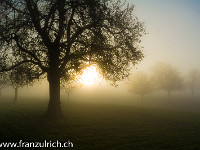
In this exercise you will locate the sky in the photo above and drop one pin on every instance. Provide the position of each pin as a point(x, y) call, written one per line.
point(173, 28)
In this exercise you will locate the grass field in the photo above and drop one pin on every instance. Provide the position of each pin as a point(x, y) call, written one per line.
point(102, 126)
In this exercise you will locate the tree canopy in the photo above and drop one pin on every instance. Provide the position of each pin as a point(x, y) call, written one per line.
point(166, 77)
point(140, 84)
point(4, 80)
point(76, 32)
point(20, 76)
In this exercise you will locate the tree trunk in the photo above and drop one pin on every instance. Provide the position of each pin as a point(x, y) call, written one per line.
point(54, 108)
point(16, 94)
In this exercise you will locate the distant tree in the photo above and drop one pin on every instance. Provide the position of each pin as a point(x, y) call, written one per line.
point(4, 81)
point(140, 84)
point(193, 80)
point(58, 37)
point(70, 83)
point(166, 77)
point(20, 78)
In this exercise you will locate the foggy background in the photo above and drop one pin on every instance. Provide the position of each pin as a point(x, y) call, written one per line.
point(173, 29)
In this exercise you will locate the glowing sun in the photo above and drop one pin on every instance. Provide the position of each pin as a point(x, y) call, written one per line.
point(90, 76)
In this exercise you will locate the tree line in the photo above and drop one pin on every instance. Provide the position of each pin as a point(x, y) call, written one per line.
point(164, 77)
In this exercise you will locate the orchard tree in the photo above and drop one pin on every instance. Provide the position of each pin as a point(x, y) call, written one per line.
point(69, 87)
point(193, 80)
point(4, 81)
point(140, 84)
point(19, 77)
point(59, 37)
point(166, 77)
point(71, 83)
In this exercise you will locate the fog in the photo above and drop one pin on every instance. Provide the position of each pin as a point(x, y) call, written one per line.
point(182, 100)
point(174, 32)
point(173, 37)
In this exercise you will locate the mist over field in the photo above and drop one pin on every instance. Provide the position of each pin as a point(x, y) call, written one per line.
point(181, 100)
point(172, 38)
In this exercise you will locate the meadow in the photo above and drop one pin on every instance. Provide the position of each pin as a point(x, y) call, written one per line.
point(95, 126)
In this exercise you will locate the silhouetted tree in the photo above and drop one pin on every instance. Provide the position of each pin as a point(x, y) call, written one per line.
point(19, 77)
point(58, 37)
point(140, 84)
point(4, 81)
point(193, 80)
point(70, 83)
point(69, 87)
point(166, 77)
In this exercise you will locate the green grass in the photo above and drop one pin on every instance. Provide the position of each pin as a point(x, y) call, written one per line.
point(102, 127)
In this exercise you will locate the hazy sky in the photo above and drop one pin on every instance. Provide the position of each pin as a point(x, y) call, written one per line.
point(174, 32)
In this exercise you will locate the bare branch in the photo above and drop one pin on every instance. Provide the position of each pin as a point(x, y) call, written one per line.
point(30, 54)
point(4, 69)
point(34, 14)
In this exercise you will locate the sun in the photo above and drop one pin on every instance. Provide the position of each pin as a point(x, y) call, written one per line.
point(90, 76)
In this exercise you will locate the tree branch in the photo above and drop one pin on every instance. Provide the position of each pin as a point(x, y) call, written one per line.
point(61, 5)
point(13, 7)
point(80, 31)
point(51, 12)
point(30, 54)
point(34, 14)
point(69, 26)
point(4, 69)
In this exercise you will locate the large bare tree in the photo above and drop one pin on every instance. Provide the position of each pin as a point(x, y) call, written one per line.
point(57, 38)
